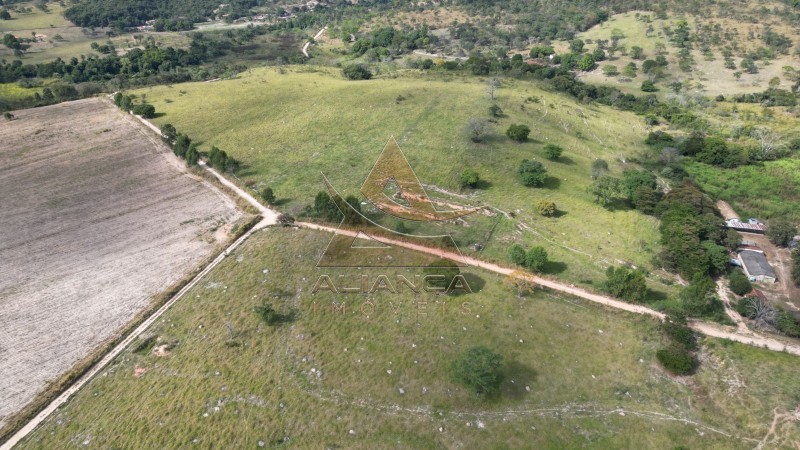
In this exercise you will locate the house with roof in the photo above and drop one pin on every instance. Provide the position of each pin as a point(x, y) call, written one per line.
point(756, 266)
point(751, 226)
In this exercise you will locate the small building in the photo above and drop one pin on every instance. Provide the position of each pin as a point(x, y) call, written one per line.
point(751, 226)
point(756, 267)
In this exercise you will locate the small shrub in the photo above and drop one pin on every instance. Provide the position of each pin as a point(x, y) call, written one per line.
point(676, 359)
point(480, 369)
point(679, 333)
point(546, 208)
point(285, 220)
point(536, 259)
point(553, 152)
point(469, 178)
point(518, 132)
point(517, 254)
point(739, 283)
point(146, 111)
point(268, 195)
point(357, 72)
point(532, 173)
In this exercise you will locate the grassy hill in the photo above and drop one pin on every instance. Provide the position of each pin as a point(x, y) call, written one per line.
point(708, 75)
point(575, 375)
point(289, 126)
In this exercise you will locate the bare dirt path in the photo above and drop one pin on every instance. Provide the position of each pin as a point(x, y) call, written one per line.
point(316, 36)
point(434, 55)
point(723, 293)
point(744, 336)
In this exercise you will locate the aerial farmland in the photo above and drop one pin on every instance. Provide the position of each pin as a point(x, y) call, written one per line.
point(100, 221)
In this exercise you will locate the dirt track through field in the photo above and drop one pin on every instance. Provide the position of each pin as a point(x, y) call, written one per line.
point(96, 220)
point(710, 329)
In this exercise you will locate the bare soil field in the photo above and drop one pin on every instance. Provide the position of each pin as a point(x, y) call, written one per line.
point(98, 217)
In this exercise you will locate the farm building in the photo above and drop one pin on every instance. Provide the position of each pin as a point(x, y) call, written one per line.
point(751, 226)
point(756, 267)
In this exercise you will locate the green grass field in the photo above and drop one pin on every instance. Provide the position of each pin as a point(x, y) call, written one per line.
point(35, 19)
point(13, 92)
point(288, 128)
point(765, 191)
point(575, 375)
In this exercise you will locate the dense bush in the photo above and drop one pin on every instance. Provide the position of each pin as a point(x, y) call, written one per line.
point(536, 259)
point(357, 72)
point(480, 369)
point(532, 173)
point(739, 283)
point(689, 219)
point(145, 110)
point(678, 332)
point(546, 207)
point(325, 207)
point(788, 324)
point(781, 231)
point(268, 195)
point(469, 178)
point(552, 151)
point(517, 254)
point(518, 132)
point(444, 271)
point(676, 359)
point(625, 283)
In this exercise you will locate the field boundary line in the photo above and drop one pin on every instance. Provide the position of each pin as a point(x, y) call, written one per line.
point(122, 345)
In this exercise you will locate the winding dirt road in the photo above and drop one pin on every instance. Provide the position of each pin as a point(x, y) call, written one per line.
point(316, 36)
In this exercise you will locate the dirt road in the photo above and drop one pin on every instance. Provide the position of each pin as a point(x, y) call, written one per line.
point(742, 335)
point(316, 36)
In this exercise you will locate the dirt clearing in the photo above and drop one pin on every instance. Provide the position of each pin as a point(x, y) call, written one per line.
point(96, 218)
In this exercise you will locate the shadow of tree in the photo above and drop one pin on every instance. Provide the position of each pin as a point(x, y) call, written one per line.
point(516, 376)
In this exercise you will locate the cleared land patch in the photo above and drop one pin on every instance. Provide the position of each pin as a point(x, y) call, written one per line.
point(97, 219)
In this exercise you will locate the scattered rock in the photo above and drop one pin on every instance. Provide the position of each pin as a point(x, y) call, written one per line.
point(402, 391)
point(528, 388)
point(352, 432)
point(261, 443)
point(481, 425)
point(389, 371)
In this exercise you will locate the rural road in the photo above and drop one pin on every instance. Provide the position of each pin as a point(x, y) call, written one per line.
point(745, 336)
point(434, 55)
point(270, 216)
point(316, 36)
